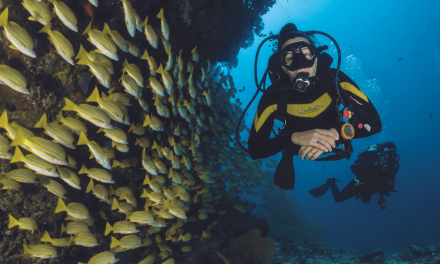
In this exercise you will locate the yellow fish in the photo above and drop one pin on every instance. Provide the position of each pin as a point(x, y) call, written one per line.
point(164, 25)
point(27, 223)
point(57, 132)
point(62, 45)
point(40, 251)
point(39, 11)
point(18, 36)
point(13, 79)
point(104, 44)
point(150, 34)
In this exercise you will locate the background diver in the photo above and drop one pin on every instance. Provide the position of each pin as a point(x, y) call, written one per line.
point(374, 170)
point(306, 94)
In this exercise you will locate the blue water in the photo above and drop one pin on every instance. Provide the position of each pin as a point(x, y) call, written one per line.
point(405, 92)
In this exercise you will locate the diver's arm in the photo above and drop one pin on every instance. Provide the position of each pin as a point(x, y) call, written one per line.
point(361, 100)
point(261, 146)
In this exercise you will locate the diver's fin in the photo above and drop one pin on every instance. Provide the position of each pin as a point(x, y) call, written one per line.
point(320, 191)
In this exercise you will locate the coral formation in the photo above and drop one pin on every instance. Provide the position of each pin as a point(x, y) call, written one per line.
point(252, 248)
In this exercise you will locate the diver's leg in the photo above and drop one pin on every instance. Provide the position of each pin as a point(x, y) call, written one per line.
point(349, 191)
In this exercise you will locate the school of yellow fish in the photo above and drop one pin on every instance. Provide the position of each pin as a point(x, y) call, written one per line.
point(186, 170)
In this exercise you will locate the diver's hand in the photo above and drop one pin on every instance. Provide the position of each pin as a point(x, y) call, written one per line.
point(310, 138)
point(309, 153)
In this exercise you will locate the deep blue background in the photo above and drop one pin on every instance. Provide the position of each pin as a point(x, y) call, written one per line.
point(405, 93)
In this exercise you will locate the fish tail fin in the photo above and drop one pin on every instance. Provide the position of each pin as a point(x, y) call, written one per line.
point(145, 56)
point(108, 228)
point(45, 29)
point(4, 17)
point(42, 123)
point(72, 239)
point(114, 243)
point(82, 139)
point(20, 138)
point(90, 187)
point(63, 228)
point(94, 97)
point(88, 29)
point(4, 123)
point(111, 191)
point(26, 250)
point(115, 204)
point(70, 106)
point(138, 141)
point(100, 130)
point(81, 53)
point(147, 120)
point(12, 221)
point(145, 23)
point(106, 29)
point(84, 61)
point(204, 93)
point(83, 169)
point(160, 69)
point(60, 116)
point(125, 64)
point(46, 238)
point(18, 156)
point(116, 163)
point(61, 206)
point(52, 1)
point(160, 15)
point(131, 127)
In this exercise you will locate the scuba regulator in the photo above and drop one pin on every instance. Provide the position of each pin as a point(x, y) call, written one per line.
point(294, 57)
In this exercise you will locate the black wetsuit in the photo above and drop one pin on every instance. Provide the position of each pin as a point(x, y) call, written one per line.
point(372, 179)
point(318, 108)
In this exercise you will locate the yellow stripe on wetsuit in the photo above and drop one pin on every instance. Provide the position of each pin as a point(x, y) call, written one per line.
point(300, 110)
point(354, 90)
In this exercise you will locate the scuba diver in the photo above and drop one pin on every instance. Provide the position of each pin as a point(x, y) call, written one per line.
point(374, 170)
point(306, 95)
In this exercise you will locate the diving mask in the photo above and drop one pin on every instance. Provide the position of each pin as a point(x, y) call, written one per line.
point(298, 55)
point(389, 157)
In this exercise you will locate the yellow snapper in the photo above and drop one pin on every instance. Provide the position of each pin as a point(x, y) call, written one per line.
point(62, 45)
point(109, 107)
point(116, 134)
point(138, 130)
point(89, 221)
point(4, 148)
point(99, 190)
point(148, 164)
point(116, 37)
point(97, 174)
point(57, 242)
point(102, 258)
point(128, 242)
point(164, 25)
point(97, 58)
point(40, 251)
point(84, 239)
point(148, 260)
point(76, 210)
point(69, 177)
point(39, 11)
point(154, 123)
point(75, 227)
point(18, 36)
point(166, 79)
point(121, 227)
point(13, 79)
point(21, 175)
point(195, 54)
point(35, 163)
point(124, 208)
point(91, 113)
point(98, 70)
point(150, 34)
point(104, 44)
point(110, 152)
point(133, 49)
point(118, 97)
point(170, 62)
point(65, 14)
point(180, 61)
point(134, 73)
point(57, 132)
point(76, 126)
point(44, 148)
point(27, 223)
point(143, 142)
point(131, 86)
point(130, 19)
point(141, 217)
point(151, 62)
point(122, 148)
point(53, 187)
point(157, 86)
point(96, 151)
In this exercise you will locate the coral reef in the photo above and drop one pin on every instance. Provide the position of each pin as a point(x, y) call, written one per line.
point(252, 248)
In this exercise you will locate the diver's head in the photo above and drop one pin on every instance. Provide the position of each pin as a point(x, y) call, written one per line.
point(297, 54)
point(389, 156)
